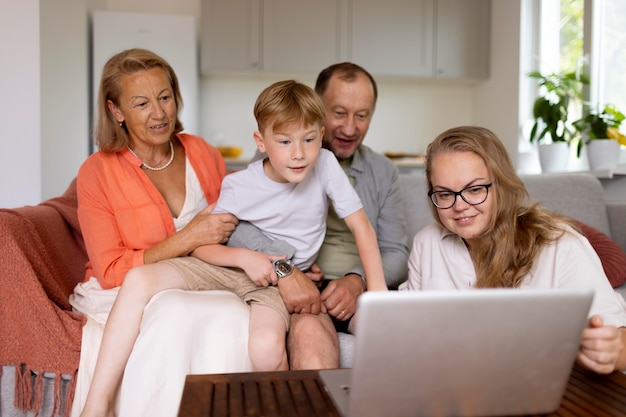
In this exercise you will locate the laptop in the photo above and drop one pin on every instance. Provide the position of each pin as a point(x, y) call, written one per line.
point(460, 353)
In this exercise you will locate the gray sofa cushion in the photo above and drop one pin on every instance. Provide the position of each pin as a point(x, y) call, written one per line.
point(579, 196)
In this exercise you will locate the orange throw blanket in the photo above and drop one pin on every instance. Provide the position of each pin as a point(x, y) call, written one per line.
point(42, 258)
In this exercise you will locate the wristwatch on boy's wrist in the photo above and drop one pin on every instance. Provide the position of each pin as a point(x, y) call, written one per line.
point(283, 267)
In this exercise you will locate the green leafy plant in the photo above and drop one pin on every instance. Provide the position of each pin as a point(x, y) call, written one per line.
point(600, 124)
point(551, 109)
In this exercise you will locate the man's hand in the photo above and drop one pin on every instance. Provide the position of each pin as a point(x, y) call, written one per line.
point(315, 274)
point(339, 297)
point(300, 294)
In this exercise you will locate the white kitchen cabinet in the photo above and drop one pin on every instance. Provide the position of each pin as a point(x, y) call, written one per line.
point(462, 38)
point(303, 35)
point(393, 37)
point(421, 38)
point(231, 39)
point(272, 35)
point(412, 38)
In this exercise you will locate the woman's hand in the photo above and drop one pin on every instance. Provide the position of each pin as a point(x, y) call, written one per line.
point(206, 228)
point(602, 347)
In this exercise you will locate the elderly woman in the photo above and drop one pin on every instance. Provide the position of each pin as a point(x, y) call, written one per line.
point(146, 196)
point(489, 234)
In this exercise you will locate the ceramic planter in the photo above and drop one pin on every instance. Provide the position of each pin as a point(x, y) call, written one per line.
point(554, 156)
point(603, 154)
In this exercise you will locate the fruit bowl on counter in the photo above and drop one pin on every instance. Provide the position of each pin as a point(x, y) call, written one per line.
point(394, 155)
point(231, 152)
point(407, 163)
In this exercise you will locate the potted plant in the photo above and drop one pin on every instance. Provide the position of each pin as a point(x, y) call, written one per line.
point(551, 114)
point(601, 135)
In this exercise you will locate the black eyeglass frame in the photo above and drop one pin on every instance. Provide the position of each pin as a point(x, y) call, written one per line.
point(460, 194)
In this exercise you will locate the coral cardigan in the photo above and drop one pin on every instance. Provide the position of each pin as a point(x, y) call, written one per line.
point(121, 212)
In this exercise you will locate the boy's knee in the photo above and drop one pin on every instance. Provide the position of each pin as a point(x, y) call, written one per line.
point(136, 277)
point(267, 351)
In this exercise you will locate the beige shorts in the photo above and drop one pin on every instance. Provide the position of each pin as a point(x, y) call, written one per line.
point(200, 276)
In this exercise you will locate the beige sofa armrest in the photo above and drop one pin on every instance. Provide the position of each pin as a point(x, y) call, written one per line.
point(617, 218)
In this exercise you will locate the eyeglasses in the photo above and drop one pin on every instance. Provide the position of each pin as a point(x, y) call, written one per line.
point(472, 195)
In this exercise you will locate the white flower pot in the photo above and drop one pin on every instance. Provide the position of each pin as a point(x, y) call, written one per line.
point(554, 156)
point(603, 154)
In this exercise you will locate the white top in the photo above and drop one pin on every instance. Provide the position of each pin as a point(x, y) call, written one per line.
point(440, 260)
point(295, 213)
point(194, 198)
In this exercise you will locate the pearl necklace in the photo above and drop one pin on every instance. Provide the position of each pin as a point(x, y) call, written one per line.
point(143, 164)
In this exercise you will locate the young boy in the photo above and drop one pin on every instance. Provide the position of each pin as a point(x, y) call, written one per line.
point(286, 195)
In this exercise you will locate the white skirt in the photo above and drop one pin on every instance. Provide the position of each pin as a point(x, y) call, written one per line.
point(181, 333)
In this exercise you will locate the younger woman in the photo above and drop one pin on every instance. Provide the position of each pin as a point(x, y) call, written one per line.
point(489, 234)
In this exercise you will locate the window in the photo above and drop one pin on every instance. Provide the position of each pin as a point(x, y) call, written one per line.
point(561, 35)
point(608, 55)
point(589, 36)
point(569, 36)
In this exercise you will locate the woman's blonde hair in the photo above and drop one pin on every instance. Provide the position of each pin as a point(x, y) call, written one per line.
point(108, 134)
point(518, 229)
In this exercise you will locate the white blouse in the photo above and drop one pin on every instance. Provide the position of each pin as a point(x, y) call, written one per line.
point(440, 260)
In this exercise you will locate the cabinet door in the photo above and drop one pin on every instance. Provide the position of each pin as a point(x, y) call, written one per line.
point(230, 35)
point(302, 35)
point(462, 38)
point(393, 37)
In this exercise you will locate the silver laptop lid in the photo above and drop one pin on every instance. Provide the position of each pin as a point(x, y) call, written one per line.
point(461, 353)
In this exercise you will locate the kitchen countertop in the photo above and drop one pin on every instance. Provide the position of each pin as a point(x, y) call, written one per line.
point(404, 164)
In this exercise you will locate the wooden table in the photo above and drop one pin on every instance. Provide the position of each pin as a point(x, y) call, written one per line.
point(300, 393)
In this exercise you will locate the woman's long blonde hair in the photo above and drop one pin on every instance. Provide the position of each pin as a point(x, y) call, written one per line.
point(504, 253)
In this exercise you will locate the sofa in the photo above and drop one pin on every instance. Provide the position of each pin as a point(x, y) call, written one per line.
point(43, 258)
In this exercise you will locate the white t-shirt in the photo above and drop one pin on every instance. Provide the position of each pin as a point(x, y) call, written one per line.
point(295, 213)
point(439, 260)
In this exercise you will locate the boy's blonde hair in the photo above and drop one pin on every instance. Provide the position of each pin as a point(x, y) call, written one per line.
point(288, 102)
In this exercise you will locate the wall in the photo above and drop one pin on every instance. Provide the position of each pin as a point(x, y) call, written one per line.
point(64, 93)
point(20, 158)
point(409, 114)
point(43, 81)
point(497, 100)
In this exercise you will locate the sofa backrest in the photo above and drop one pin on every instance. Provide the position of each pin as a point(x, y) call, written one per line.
point(577, 195)
point(416, 203)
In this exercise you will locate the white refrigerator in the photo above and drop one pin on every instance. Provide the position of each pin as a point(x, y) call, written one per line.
point(173, 37)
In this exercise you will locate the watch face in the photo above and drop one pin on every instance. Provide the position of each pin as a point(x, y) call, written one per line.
point(283, 267)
